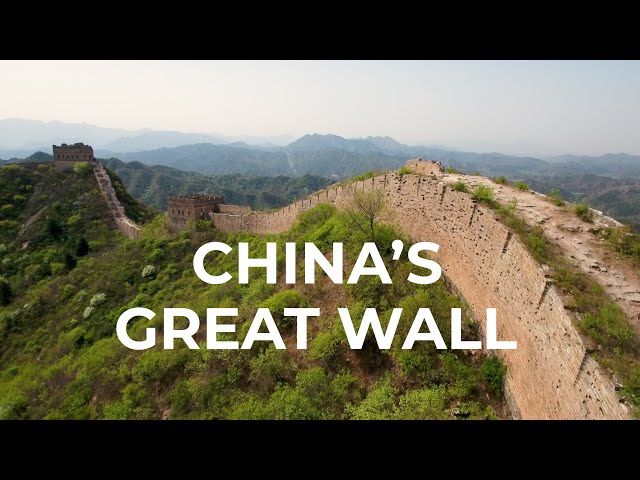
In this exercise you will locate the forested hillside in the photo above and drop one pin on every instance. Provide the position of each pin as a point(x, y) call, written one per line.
point(153, 184)
point(67, 275)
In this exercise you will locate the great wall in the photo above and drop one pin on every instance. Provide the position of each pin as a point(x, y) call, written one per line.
point(65, 157)
point(550, 375)
point(126, 226)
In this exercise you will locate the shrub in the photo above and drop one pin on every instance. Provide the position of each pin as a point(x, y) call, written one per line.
point(555, 198)
point(460, 186)
point(69, 261)
point(149, 272)
point(82, 168)
point(5, 292)
point(521, 186)
point(423, 404)
point(56, 268)
point(405, 171)
point(379, 404)
point(501, 180)
point(452, 169)
point(632, 386)
point(281, 300)
point(483, 193)
point(54, 229)
point(82, 247)
point(583, 211)
point(493, 371)
point(97, 299)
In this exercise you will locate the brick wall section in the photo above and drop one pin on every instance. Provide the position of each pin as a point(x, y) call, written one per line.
point(126, 226)
point(550, 376)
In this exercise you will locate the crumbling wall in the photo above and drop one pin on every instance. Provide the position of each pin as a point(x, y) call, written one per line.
point(550, 375)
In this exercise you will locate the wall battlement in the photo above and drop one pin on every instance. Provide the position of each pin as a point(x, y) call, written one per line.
point(550, 375)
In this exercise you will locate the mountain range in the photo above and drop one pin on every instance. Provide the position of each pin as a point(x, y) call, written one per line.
point(609, 182)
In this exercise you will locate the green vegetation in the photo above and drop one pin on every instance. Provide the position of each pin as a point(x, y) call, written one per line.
point(82, 168)
point(405, 171)
point(153, 184)
point(460, 186)
point(60, 358)
point(521, 186)
point(484, 194)
point(583, 211)
point(493, 371)
point(501, 180)
point(135, 210)
point(452, 169)
point(623, 240)
point(555, 197)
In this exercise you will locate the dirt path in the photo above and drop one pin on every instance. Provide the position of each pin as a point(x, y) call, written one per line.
point(572, 235)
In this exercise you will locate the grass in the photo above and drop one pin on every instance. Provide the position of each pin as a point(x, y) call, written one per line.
point(623, 240)
point(521, 186)
point(484, 194)
point(460, 186)
point(452, 169)
point(583, 211)
point(555, 198)
point(405, 171)
point(501, 180)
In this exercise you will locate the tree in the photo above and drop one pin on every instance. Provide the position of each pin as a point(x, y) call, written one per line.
point(366, 209)
point(54, 229)
point(82, 247)
point(82, 168)
point(5, 292)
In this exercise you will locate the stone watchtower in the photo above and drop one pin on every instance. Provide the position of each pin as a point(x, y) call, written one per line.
point(65, 156)
point(183, 208)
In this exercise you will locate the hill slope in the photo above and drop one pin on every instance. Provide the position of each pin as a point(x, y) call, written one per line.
point(153, 184)
point(60, 358)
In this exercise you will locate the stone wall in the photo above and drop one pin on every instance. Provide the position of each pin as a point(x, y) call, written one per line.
point(126, 226)
point(550, 375)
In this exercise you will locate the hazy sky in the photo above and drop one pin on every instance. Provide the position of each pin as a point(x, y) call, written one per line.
point(535, 107)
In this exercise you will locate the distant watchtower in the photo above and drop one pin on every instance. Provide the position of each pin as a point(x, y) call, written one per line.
point(183, 208)
point(65, 156)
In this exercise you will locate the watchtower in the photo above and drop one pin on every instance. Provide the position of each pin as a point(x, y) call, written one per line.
point(65, 156)
point(183, 208)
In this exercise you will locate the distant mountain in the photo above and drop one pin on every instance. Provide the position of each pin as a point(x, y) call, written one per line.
point(211, 159)
point(319, 142)
point(159, 139)
point(31, 135)
point(153, 184)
